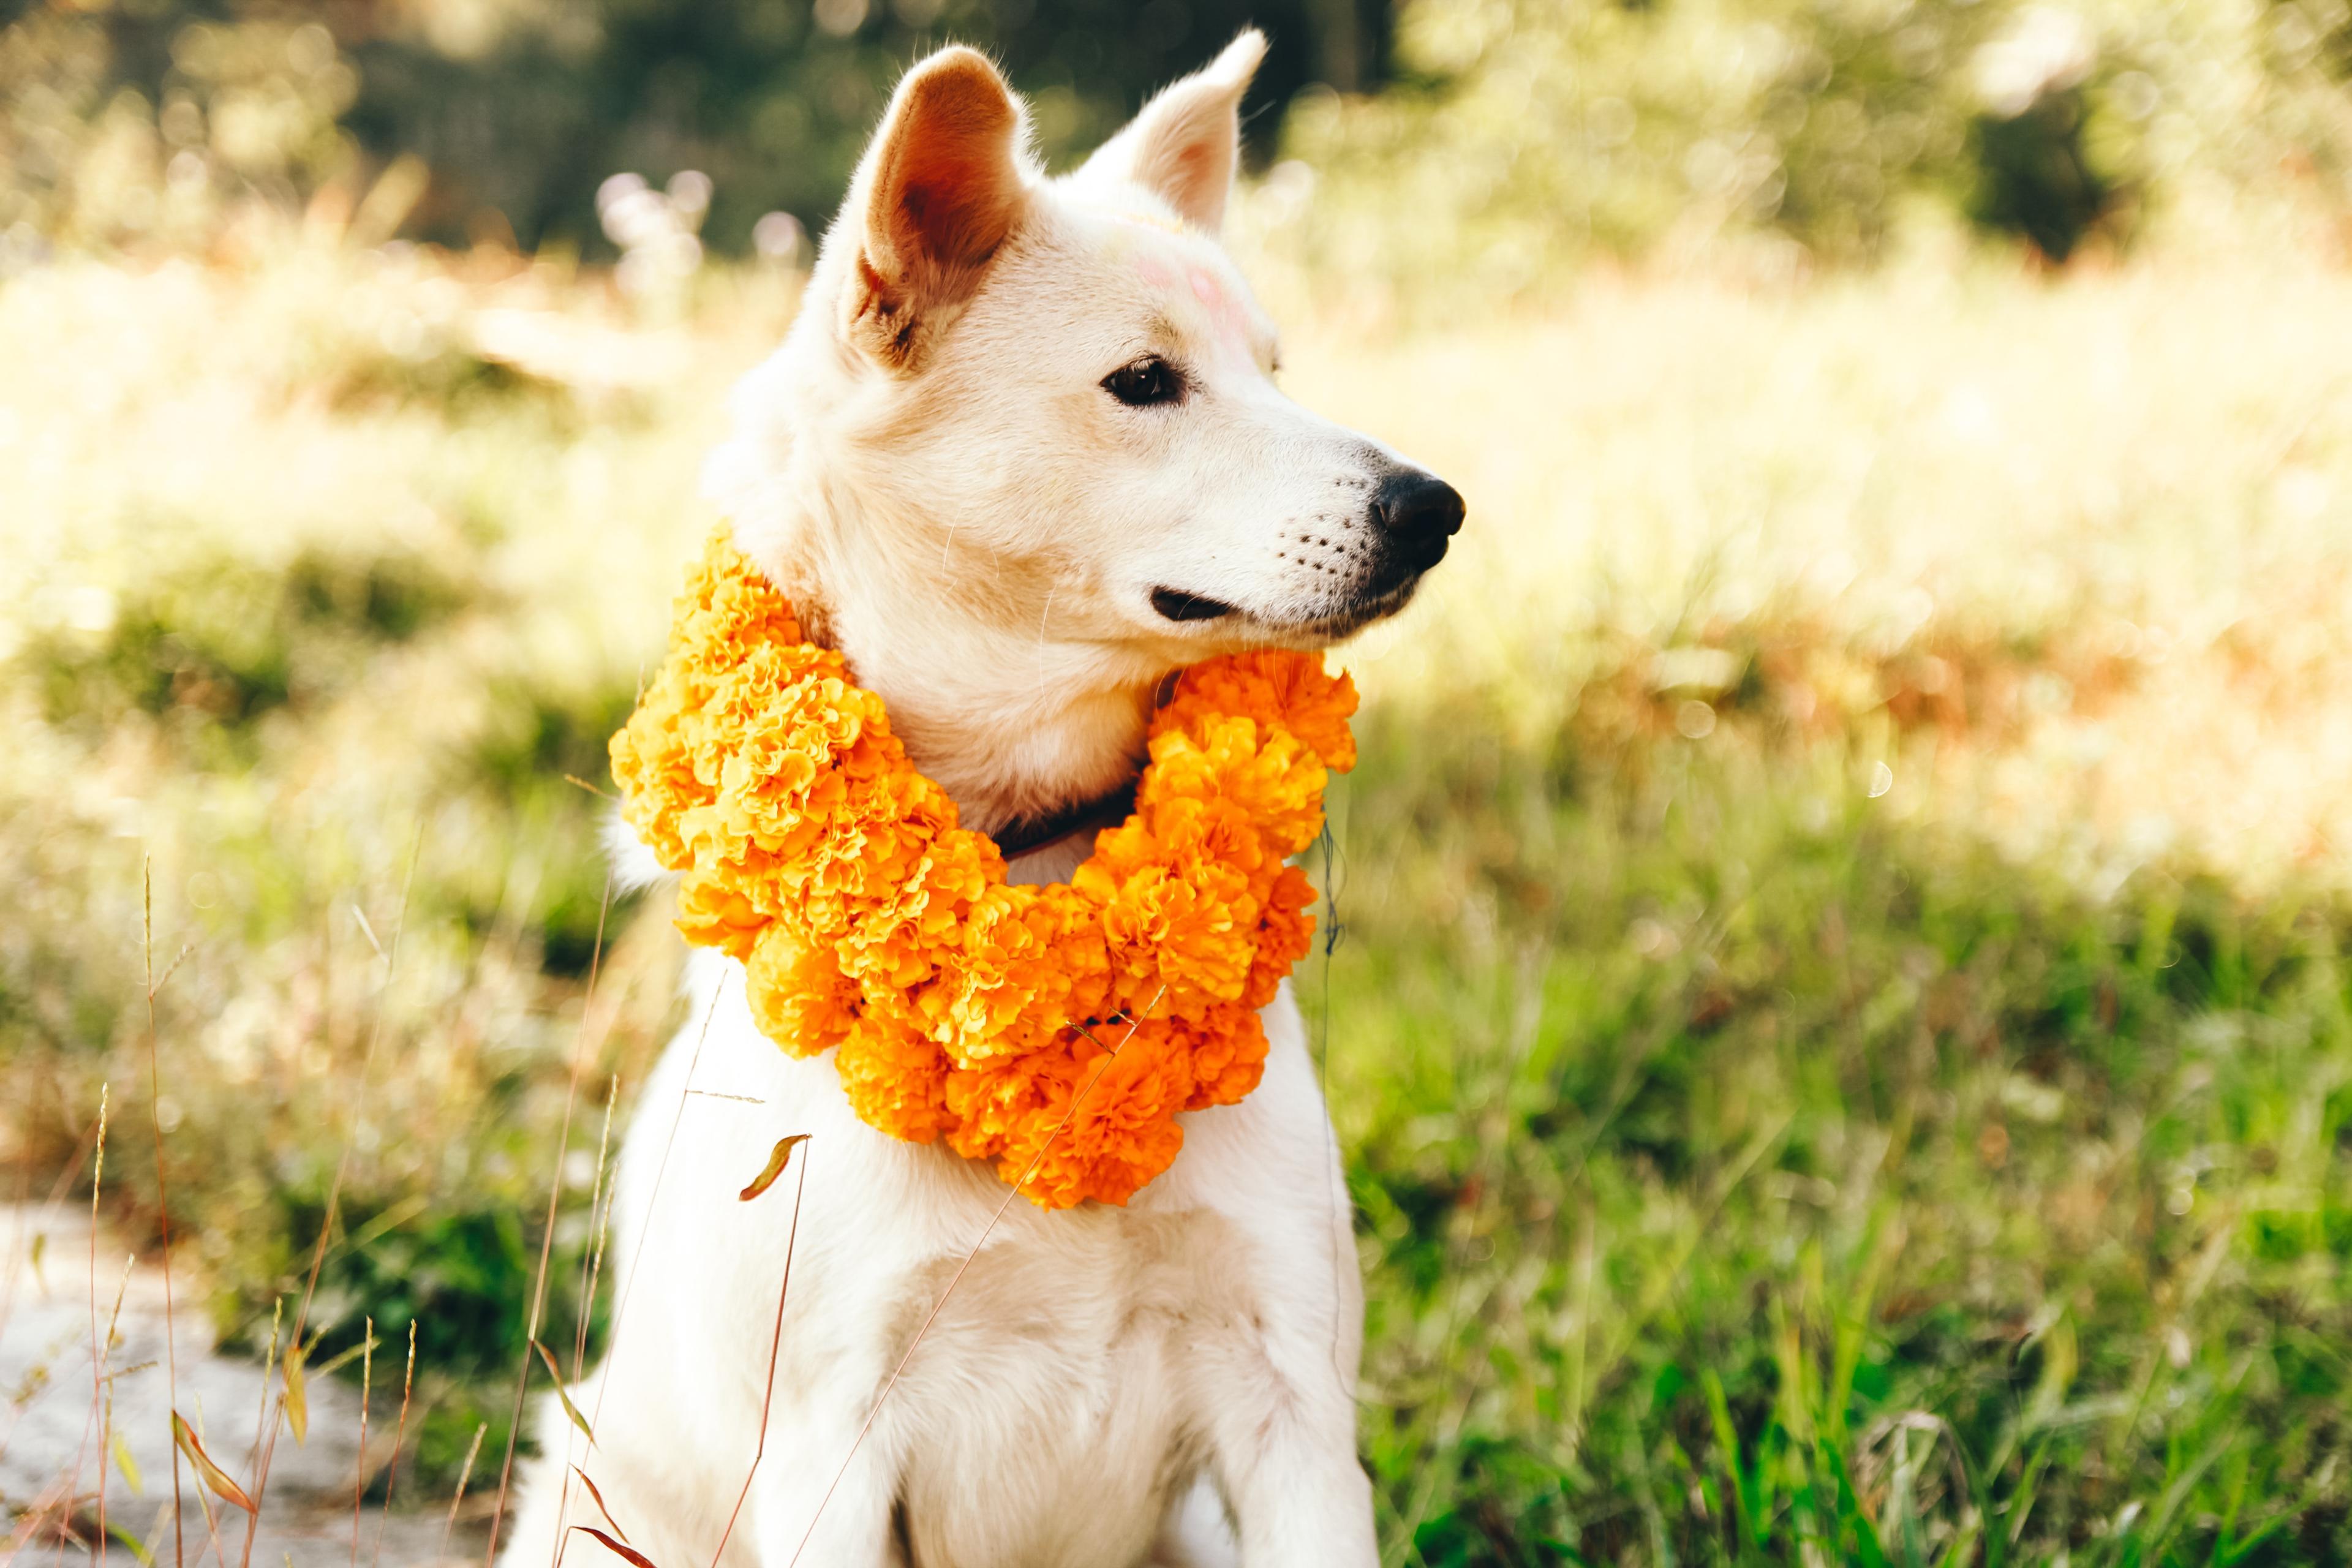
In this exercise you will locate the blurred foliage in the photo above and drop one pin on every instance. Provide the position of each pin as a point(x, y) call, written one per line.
point(1520, 135)
point(1526, 134)
point(128, 125)
point(132, 120)
point(214, 648)
point(525, 109)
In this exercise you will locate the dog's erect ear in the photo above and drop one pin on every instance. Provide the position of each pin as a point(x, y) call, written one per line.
point(1183, 146)
point(938, 189)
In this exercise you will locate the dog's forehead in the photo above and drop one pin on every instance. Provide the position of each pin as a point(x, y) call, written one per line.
point(1187, 277)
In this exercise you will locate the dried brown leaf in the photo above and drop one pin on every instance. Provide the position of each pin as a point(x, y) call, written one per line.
point(601, 1507)
point(569, 1408)
point(777, 1161)
point(618, 1549)
point(214, 1476)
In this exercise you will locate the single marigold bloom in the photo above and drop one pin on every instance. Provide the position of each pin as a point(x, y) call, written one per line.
point(1056, 1031)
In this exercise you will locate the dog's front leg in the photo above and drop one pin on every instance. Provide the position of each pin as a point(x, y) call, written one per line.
point(1282, 1425)
point(1298, 1494)
point(1280, 1412)
point(853, 1527)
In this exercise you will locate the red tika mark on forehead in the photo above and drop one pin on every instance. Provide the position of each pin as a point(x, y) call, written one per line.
point(1232, 321)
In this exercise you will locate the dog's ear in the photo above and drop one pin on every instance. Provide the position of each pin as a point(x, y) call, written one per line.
point(938, 191)
point(1183, 146)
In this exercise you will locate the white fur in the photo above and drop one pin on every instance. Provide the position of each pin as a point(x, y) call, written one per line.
point(978, 526)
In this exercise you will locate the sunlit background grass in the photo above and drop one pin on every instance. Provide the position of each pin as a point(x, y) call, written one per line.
point(1839, 1023)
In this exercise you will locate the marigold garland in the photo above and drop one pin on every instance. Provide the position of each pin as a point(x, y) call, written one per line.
point(957, 1005)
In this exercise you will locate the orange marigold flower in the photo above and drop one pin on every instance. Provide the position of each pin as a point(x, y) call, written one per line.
point(896, 1081)
point(1057, 1031)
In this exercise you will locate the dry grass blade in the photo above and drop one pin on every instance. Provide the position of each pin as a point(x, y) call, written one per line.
point(465, 1474)
point(359, 1466)
point(343, 1164)
point(136, 1548)
point(162, 1191)
point(218, 1479)
point(619, 1549)
point(592, 1263)
point(262, 1425)
point(661, 1170)
point(109, 1435)
point(601, 1506)
point(600, 1216)
point(367, 1346)
point(547, 1236)
point(777, 1160)
point(103, 1407)
point(775, 1349)
point(399, 1435)
point(570, 1409)
point(128, 1465)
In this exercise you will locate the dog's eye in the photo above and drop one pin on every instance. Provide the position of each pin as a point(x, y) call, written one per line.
point(1147, 380)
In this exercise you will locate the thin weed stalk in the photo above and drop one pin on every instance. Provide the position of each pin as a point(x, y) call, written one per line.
point(603, 1224)
point(97, 1351)
point(399, 1435)
point(204, 1503)
point(359, 1466)
point(106, 1436)
point(775, 1352)
point(163, 1189)
point(268, 1368)
point(465, 1474)
point(661, 1168)
point(547, 1235)
point(335, 1191)
point(600, 1213)
point(72, 1480)
point(599, 1202)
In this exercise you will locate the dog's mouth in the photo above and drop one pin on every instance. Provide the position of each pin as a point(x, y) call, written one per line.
point(1318, 627)
point(1175, 605)
point(1334, 625)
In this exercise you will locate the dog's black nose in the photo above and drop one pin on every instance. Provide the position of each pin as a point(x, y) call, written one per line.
point(1418, 512)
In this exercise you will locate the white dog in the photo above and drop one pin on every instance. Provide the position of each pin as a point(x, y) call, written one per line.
point(1020, 456)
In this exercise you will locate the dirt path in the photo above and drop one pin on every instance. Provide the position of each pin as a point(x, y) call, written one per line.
point(49, 1430)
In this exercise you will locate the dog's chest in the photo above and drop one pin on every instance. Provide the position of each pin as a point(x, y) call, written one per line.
point(1055, 1406)
point(1063, 1394)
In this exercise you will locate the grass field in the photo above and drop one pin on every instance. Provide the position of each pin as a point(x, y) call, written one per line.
point(1840, 1025)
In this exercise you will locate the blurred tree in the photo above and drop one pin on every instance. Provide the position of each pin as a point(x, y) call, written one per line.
point(2034, 177)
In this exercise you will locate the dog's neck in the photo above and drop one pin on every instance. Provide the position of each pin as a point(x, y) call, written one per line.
point(1015, 734)
point(1022, 731)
